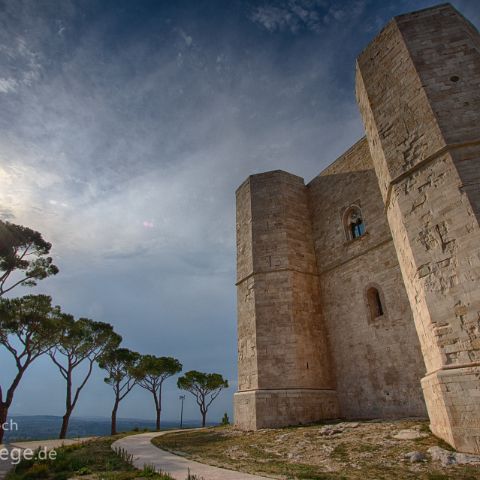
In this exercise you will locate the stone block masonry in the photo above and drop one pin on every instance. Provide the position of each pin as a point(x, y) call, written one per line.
point(418, 91)
point(284, 365)
point(359, 293)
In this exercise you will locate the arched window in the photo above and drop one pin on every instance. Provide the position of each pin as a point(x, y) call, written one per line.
point(374, 303)
point(353, 223)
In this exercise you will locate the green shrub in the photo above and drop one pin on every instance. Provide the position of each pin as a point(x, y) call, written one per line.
point(83, 471)
point(148, 471)
point(23, 466)
point(37, 470)
point(124, 455)
point(225, 419)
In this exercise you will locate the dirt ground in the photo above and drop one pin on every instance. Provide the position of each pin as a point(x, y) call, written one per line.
point(343, 450)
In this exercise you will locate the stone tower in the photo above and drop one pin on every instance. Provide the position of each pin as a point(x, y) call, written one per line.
point(285, 374)
point(418, 87)
point(340, 322)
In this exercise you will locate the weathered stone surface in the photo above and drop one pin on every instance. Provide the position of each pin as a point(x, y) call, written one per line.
point(285, 371)
point(446, 457)
point(384, 322)
point(417, 87)
point(409, 435)
point(272, 408)
point(378, 362)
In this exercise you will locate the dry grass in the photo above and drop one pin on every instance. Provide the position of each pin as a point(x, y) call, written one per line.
point(93, 460)
point(363, 451)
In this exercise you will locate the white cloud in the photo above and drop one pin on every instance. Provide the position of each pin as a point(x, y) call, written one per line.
point(187, 38)
point(8, 85)
point(296, 15)
point(274, 18)
point(27, 67)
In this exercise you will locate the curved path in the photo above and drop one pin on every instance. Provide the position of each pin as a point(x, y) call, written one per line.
point(145, 453)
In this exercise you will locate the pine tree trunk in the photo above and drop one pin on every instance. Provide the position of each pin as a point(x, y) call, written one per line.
point(7, 402)
point(3, 418)
point(158, 408)
point(114, 418)
point(158, 419)
point(64, 429)
point(204, 418)
point(68, 405)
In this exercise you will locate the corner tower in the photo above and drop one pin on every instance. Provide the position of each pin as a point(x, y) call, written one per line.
point(418, 88)
point(285, 375)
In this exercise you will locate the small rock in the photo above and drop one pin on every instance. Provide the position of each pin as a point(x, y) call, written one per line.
point(409, 435)
point(415, 456)
point(443, 456)
point(453, 458)
point(345, 425)
point(330, 431)
point(467, 459)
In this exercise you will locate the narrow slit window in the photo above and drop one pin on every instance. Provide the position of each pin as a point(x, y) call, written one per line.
point(375, 303)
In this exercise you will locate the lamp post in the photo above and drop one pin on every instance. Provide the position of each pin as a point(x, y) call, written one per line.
point(182, 398)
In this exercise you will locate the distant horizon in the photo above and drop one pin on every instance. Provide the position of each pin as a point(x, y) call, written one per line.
point(44, 427)
point(106, 417)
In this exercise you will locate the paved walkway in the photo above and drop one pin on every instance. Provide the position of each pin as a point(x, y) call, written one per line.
point(145, 453)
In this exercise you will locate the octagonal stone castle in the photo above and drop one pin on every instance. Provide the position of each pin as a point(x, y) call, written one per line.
point(359, 293)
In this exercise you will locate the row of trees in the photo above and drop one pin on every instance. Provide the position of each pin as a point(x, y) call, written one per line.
point(31, 326)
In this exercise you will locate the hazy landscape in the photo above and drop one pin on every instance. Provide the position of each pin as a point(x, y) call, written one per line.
point(40, 427)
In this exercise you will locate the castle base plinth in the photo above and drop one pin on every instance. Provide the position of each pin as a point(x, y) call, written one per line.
point(279, 408)
point(453, 403)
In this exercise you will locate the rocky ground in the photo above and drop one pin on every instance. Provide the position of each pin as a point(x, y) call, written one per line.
point(345, 450)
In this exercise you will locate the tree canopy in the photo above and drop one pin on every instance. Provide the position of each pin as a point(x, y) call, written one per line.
point(79, 341)
point(205, 387)
point(152, 372)
point(121, 364)
point(23, 251)
point(28, 329)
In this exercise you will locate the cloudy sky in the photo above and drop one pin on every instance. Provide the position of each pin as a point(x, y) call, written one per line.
point(125, 128)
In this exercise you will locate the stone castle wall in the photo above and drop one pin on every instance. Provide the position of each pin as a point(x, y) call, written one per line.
point(310, 347)
point(378, 361)
point(420, 105)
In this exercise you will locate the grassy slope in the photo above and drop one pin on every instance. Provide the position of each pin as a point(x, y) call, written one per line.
point(362, 452)
point(92, 460)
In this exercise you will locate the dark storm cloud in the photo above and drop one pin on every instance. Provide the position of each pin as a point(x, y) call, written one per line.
point(126, 128)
